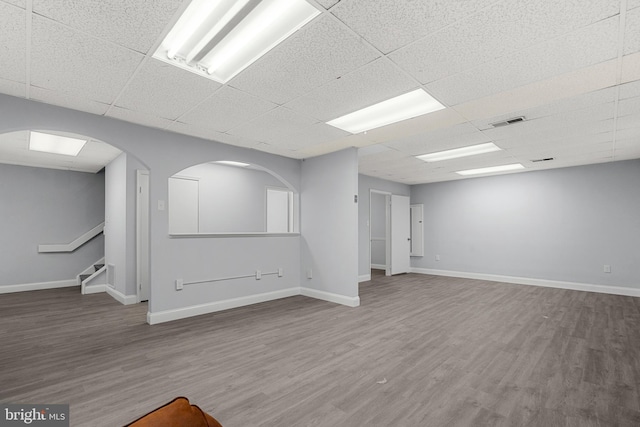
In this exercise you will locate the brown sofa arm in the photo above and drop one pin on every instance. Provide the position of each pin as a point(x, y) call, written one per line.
point(177, 413)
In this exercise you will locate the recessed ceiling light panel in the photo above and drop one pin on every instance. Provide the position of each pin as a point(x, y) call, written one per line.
point(403, 107)
point(460, 152)
point(218, 39)
point(55, 144)
point(492, 169)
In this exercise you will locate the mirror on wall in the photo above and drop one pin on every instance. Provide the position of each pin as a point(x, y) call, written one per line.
point(228, 198)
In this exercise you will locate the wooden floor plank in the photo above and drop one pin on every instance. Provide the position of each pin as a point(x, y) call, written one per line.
point(419, 351)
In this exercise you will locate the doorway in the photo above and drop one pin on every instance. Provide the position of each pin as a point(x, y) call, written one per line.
point(142, 236)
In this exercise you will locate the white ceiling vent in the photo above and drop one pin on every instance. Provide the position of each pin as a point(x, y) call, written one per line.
point(508, 122)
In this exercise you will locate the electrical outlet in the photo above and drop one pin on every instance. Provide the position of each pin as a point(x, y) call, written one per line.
point(437, 257)
point(179, 284)
point(309, 274)
point(607, 268)
point(258, 275)
point(280, 272)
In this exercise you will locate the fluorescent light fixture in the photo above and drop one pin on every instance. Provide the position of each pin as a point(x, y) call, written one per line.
point(218, 39)
point(232, 163)
point(403, 107)
point(55, 144)
point(492, 169)
point(471, 150)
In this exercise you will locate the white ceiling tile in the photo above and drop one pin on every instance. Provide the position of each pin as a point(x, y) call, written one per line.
point(631, 121)
point(138, 117)
point(162, 90)
point(501, 29)
point(632, 32)
point(543, 61)
point(210, 134)
point(372, 83)
point(565, 105)
point(390, 24)
point(280, 151)
point(226, 109)
point(19, 3)
point(321, 51)
point(444, 139)
point(311, 135)
point(327, 3)
point(632, 4)
point(67, 100)
point(67, 61)
point(630, 90)
point(133, 24)
point(13, 34)
point(372, 149)
point(273, 125)
point(12, 88)
point(629, 106)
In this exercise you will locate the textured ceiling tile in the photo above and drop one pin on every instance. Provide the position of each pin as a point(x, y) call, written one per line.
point(19, 3)
point(496, 31)
point(13, 36)
point(133, 24)
point(312, 135)
point(390, 24)
point(632, 32)
point(375, 82)
point(210, 134)
point(569, 104)
point(12, 88)
point(321, 51)
point(138, 117)
point(327, 3)
point(162, 90)
point(632, 4)
point(540, 62)
point(226, 109)
point(630, 90)
point(66, 100)
point(631, 121)
point(67, 61)
point(629, 106)
point(437, 141)
point(273, 125)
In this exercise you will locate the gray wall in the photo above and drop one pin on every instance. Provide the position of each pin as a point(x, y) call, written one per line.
point(120, 221)
point(559, 224)
point(329, 223)
point(365, 184)
point(164, 154)
point(42, 206)
point(231, 198)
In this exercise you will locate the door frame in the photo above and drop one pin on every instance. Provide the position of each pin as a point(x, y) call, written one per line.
point(387, 226)
point(142, 222)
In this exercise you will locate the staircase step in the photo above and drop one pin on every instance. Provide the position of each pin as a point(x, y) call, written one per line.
point(98, 266)
point(83, 277)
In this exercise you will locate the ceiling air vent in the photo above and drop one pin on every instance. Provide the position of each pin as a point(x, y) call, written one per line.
point(508, 122)
point(547, 159)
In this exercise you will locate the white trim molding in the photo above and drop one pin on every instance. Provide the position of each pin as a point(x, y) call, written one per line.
point(331, 297)
point(378, 267)
point(212, 307)
point(72, 246)
point(7, 289)
point(603, 289)
point(120, 297)
point(93, 289)
point(364, 278)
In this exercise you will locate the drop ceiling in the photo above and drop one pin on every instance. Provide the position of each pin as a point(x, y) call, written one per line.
point(572, 68)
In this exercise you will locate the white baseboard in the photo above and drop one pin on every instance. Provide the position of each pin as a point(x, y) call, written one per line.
point(94, 289)
point(378, 266)
point(603, 289)
point(331, 297)
point(7, 289)
point(364, 278)
point(120, 297)
point(196, 310)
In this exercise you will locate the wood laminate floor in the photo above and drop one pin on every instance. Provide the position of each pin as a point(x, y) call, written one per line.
point(419, 351)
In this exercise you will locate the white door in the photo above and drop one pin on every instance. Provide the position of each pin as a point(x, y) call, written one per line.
point(142, 236)
point(400, 234)
point(183, 205)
